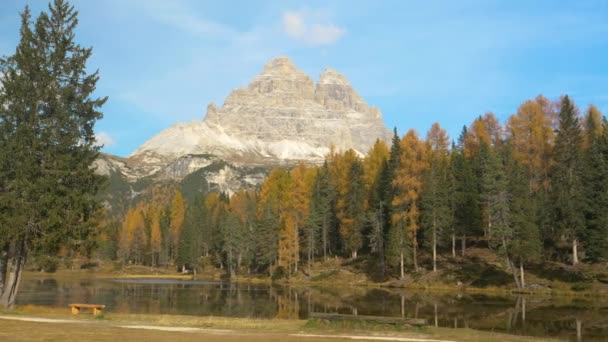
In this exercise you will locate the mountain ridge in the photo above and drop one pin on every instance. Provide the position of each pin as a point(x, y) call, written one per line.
point(280, 118)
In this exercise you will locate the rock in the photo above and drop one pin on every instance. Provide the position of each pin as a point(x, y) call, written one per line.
point(280, 118)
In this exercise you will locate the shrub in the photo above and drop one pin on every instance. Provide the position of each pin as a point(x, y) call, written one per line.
point(47, 264)
point(279, 273)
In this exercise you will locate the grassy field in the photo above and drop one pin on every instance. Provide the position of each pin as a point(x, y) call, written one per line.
point(85, 327)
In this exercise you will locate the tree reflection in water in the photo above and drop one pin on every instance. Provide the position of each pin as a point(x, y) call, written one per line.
point(538, 316)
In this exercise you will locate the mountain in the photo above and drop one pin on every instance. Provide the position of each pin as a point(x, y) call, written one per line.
point(280, 118)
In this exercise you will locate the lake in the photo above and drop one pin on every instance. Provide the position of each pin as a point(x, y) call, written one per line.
point(520, 315)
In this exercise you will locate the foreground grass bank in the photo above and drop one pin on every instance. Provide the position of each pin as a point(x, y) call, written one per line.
point(112, 325)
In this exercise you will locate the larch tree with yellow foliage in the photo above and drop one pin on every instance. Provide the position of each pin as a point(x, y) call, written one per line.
point(531, 136)
point(347, 174)
point(271, 213)
point(375, 175)
point(178, 212)
point(133, 238)
point(302, 179)
point(408, 183)
point(154, 214)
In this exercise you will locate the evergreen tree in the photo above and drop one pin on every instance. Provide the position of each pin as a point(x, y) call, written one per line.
point(191, 239)
point(322, 220)
point(466, 194)
point(495, 197)
point(502, 203)
point(355, 198)
point(378, 217)
point(525, 245)
point(435, 204)
point(47, 116)
point(567, 185)
point(596, 189)
point(231, 229)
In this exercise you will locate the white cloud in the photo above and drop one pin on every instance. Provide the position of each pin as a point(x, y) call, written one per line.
point(104, 139)
point(307, 27)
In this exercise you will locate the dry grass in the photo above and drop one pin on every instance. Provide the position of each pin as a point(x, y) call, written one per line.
point(248, 328)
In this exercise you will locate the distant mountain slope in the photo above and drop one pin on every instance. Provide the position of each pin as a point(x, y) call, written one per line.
point(280, 118)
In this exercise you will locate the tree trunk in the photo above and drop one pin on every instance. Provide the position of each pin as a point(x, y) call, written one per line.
point(434, 249)
point(523, 310)
point(3, 266)
point(521, 274)
point(464, 244)
point(575, 251)
point(324, 238)
point(453, 245)
point(13, 279)
point(514, 271)
point(401, 265)
point(311, 247)
point(414, 250)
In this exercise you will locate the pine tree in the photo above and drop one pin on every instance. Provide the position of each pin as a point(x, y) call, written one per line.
point(47, 116)
point(191, 239)
point(525, 242)
point(595, 177)
point(435, 204)
point(467, 216)
point(231, 229)
point(375, 167)
point(498, 197)
point(321, 217)
point(567, 185)
point(495, 196)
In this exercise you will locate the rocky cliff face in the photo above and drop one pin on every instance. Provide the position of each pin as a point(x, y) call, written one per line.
point(281, 117)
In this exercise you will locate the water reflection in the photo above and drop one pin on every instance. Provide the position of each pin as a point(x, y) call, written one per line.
point(573, 319)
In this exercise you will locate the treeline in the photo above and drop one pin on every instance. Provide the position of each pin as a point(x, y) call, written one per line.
point(533, 189)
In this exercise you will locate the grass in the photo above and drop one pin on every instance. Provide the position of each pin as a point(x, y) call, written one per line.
point(106, 328)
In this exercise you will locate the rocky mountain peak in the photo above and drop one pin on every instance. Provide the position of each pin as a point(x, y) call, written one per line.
point(280, 117)
point(280, 65)
point(279, 83)
point(335, 92)
point(331, 76)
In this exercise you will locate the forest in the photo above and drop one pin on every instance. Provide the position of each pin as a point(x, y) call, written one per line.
point(531, 190)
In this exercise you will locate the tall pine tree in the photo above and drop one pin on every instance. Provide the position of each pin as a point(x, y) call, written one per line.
point(595, 178)
point(566, 181)
point(47, 116)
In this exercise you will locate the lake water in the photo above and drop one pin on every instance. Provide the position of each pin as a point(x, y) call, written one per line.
point(535, 316)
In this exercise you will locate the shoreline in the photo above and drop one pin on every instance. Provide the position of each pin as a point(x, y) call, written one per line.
point(388, 286)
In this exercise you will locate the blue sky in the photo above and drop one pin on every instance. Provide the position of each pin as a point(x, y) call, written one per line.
point(162, 62)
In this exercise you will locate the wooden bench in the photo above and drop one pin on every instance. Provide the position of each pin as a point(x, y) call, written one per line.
point(96, 308)
point(377, 319)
